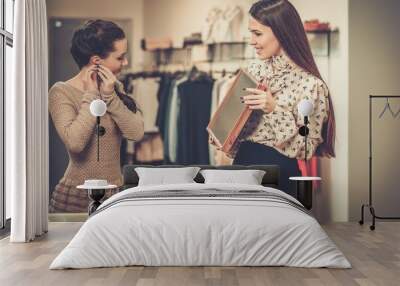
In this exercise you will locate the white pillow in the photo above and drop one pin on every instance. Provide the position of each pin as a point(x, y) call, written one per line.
point(249, 177)
point(163, 176)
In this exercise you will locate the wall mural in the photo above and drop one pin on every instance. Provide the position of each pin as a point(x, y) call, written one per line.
point(104, 116)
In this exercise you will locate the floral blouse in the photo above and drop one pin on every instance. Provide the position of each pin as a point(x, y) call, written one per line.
point(289, 84)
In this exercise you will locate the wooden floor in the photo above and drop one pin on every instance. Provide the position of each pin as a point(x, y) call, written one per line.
point(375, 257)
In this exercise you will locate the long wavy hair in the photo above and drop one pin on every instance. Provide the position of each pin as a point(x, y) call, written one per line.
point(286, 24)
point(97, 37)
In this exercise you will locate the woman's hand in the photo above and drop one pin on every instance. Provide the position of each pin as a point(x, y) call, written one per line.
point(108, 80)
point(89, 79)
point(259, 99)
point(211, 141)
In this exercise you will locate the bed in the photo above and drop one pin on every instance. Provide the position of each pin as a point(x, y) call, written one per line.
point(198, 224)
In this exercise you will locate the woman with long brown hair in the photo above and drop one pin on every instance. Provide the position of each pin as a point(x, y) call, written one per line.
point(288, 70)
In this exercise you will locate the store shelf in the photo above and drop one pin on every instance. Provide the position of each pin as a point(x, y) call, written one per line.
point(328, 35)
point(165, 55)
point(322, 31)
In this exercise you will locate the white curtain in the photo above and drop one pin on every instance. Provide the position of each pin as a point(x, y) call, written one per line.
point(27, 123)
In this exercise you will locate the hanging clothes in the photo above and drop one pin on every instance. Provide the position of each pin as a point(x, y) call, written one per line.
point(223, 25)
point(172, 120)
point(149, 149)
point(163, 97)
point(145, 92)
point(144, 88)
point(177, 108)
point(227, 26)
point(194, 115)
point(210, 25)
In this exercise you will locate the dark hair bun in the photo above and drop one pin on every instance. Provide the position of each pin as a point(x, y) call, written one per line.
point(95, 37)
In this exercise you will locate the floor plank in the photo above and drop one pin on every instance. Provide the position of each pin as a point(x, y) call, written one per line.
point(375, 257)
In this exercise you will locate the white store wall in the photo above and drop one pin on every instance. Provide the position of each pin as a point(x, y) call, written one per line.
point(121, 9)
point(180, 18)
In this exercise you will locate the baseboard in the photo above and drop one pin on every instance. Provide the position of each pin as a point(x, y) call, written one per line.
point(68, 217)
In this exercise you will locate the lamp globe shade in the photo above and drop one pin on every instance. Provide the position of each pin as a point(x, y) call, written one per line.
point(305, 107)
point(98, 107)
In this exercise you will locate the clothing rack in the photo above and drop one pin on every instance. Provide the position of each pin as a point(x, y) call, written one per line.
point(370, 205)
point(225, 72)
point(143, 74)
point(192, 77)
point(126, 78)
point(157, 73)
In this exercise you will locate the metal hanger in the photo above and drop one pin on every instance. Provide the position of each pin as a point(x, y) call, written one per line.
point(397, 113)
point(387, 106)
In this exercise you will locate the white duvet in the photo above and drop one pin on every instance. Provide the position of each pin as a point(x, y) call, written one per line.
point(200, 231)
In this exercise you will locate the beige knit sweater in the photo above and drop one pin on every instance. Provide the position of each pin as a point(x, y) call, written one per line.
point(69, 110)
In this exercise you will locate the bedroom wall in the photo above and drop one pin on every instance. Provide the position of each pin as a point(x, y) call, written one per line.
point(374, 56)
point(332, 200)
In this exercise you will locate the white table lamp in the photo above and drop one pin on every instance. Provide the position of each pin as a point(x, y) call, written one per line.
point(304, 184)
point(98, 108)
point(305, 108)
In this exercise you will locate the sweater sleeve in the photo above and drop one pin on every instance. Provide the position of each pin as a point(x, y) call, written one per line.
point(75, 127)
point(130, 123)
point(285, 122)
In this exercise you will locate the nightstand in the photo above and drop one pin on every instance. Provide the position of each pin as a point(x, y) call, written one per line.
point(304, 189)
point(96, 194)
